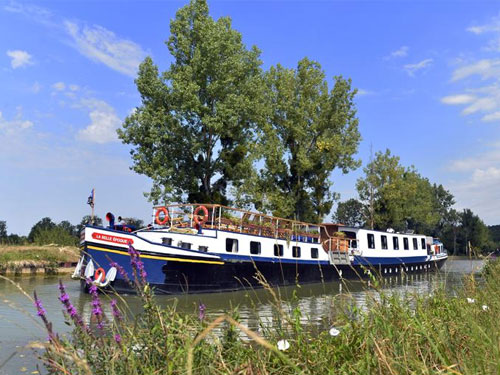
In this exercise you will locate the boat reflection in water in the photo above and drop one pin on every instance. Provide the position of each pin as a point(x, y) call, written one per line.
point(318, 303)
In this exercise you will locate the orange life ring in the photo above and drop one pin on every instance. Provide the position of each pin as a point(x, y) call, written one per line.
point(99, 275)
point(157, 216)
point(197, 220)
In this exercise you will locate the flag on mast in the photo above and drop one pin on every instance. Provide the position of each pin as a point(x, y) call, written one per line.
point(90, 200)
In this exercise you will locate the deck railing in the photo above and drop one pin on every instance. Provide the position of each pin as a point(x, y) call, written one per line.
point(340, 244)
point(237, 220)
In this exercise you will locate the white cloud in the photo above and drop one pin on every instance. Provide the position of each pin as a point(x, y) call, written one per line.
point(485, 160)
point(102, 45)
point(493, 27)
point(458, 99)
point(480, 105)
point(363, 92)
point(486, 69)
point(33, 12)
point(94, 42)
point(491, 117)
point(103, 122)
point(35, 88)
point(482, 99)
point(477, 188)
point(411, 69)
point(16, 124)
point(480, 193)
point(19, 58)
point(59, 86)
point(401, 52)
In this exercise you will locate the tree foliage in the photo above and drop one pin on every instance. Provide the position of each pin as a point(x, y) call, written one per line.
point(87, 219)
point(351, 213)
point(135, 222)
point(47, 232)
point(310, 131)
point(3, 231)
point(398, 197)
point(495, 235)
point(193, 132)
point(45, 224)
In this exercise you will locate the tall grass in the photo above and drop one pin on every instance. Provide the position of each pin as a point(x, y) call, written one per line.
point(18, 257)
point(396, 334)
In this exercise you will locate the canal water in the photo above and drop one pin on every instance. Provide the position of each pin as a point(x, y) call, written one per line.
point(20, 328)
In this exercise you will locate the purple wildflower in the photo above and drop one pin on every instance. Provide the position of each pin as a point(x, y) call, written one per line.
point(93, 289)
point(136, 263)
point(70, 309)
point(64, 298)
point(118, 338)
point(39, 308)
point(96, 306)
point(201, 311)
point(41, 312)
point(114, 308)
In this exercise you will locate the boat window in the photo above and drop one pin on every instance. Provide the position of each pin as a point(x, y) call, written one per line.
point(166, 241)
point(185, 245)
point(384, 242)
point(278, 250)
point(231, 245)
point(423, 243)
point(406, 244)
point(254, 247)
point(203, 248)
point(371, 241)
point(395, 243)
point(296, 251)
point(354, 244)
point(314, 252)
point(415, 244)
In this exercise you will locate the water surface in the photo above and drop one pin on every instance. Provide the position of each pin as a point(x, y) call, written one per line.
point(19, 325)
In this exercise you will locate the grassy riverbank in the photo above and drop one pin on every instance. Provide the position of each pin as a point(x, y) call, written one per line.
point(15, 259)
point(392, 334)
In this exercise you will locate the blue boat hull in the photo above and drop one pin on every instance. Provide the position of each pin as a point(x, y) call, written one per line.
point(170, 274)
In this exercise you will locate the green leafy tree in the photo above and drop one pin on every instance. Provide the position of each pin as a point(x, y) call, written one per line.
point(47, 232)
point(193, 132)
point(3, 231)
point(495, 235)
point(473, 231)
point(398, 197)
point(310, 132)
point(43, 225)
point(351, 212)
point(87, 219)
point(68, 227)
point(137, 223)
point(450, 230)
point(14, 239)
point(55, 235)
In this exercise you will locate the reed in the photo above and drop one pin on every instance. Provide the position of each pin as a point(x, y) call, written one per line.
point(442, 333)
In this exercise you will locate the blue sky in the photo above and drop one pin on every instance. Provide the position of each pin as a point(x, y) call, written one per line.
point(428, 75)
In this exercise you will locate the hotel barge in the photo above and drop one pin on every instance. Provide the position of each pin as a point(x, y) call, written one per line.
point(211, 248)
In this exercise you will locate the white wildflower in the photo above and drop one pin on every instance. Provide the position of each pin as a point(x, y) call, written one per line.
point(283, 345)
point(485, 307)
point(334, 331)
point(137, 348)
point(471, 300)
